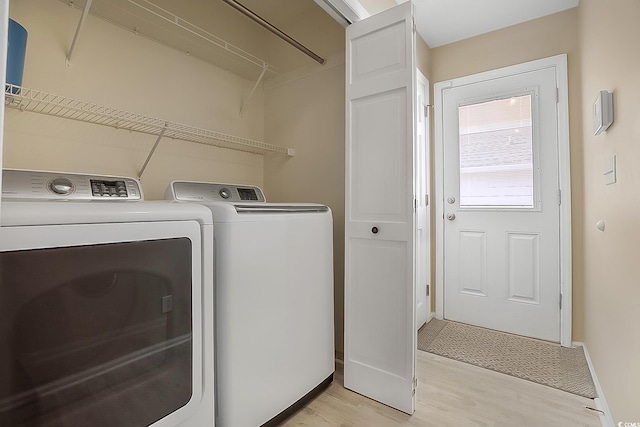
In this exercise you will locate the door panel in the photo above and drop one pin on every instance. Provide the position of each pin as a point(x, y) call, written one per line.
point(501, 228)
point(523, 265)
point(373, 267)
point(379, 173)
point(380, 336)
point(473, 262)
point(377, 54)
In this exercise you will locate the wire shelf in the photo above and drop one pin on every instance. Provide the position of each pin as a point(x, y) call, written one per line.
point(36, 101)
point(149, 20)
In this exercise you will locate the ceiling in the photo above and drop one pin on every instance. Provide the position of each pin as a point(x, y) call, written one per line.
point(441, 22)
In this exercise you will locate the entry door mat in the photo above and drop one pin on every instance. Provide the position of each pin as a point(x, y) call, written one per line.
point(527, 358)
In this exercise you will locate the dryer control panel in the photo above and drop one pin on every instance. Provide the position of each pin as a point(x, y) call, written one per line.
point(209, 192)
point(40, 185)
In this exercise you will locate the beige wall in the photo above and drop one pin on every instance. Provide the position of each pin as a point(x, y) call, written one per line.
point(610, 60)
point(423, 57)
point(544, 37)
point(116, 68)
point(305, 110)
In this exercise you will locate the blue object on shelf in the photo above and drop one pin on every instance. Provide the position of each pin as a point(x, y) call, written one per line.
point(16, 50)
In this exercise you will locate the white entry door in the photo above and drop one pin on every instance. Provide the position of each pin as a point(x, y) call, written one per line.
point(502, 204)
point(380, 335)
point(423, 218)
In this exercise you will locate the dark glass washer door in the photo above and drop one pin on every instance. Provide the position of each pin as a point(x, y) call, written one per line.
point(95, 335)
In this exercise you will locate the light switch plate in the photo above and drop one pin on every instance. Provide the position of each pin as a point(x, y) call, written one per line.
point(610, 173)
point(602, 112)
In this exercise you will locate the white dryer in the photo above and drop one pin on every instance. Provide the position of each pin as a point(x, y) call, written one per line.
point(274, 301)
point(105, 306)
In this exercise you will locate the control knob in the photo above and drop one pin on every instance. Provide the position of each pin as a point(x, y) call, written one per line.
point(62, 186)
point(225, 193)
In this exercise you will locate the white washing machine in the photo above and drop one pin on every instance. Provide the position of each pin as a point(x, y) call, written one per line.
point(274, 301)
point(105, 305)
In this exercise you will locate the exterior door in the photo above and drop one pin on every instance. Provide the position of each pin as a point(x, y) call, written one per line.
point(501, 204)
point(423, 222)
point(380, 335)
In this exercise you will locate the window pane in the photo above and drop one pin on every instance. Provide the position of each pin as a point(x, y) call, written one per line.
point(496, 153)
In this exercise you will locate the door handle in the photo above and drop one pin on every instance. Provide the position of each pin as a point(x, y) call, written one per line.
point(451, 216)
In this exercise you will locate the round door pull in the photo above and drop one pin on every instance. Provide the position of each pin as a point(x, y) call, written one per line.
point(374, 230)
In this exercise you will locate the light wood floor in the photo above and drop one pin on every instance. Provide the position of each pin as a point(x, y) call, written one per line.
point(455, 394)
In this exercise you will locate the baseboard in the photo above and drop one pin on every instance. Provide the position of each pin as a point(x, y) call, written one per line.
point(606, 420)
point(339, 358)
point(431, 316)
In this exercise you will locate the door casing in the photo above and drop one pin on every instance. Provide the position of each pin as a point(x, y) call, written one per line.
point(423, 207)
point(559, 63)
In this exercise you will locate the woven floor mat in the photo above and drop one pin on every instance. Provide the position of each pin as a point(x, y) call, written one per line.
point(530, 359)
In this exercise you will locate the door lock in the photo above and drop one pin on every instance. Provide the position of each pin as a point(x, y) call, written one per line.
point(451, 200)
point(451, 216)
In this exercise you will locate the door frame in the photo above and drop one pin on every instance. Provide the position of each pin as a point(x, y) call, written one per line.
point(559, 64)
point(422, 109)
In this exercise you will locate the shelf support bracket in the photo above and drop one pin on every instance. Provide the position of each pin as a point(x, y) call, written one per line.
point(245, 103)
point(85, 12)
point(153, 150)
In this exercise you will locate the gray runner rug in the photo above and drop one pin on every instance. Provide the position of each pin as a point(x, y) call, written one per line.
point(527, 358)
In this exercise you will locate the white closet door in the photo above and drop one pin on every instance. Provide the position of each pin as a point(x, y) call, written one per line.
point(380, 335)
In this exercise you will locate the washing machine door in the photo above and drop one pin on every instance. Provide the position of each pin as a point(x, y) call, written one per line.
point(97, 329)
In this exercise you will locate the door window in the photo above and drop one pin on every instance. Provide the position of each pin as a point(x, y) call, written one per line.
point(496, 153)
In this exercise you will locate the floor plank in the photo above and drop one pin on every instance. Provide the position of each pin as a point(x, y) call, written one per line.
point(455, 394)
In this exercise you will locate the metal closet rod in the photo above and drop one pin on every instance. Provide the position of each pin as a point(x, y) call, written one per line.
point(250, 14)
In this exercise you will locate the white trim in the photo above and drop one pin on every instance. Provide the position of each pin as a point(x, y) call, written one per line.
point(345, 12)
point(422, 80)
point(601, 403)
point(438, 162)
point(559, 63)
point(564, 184)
